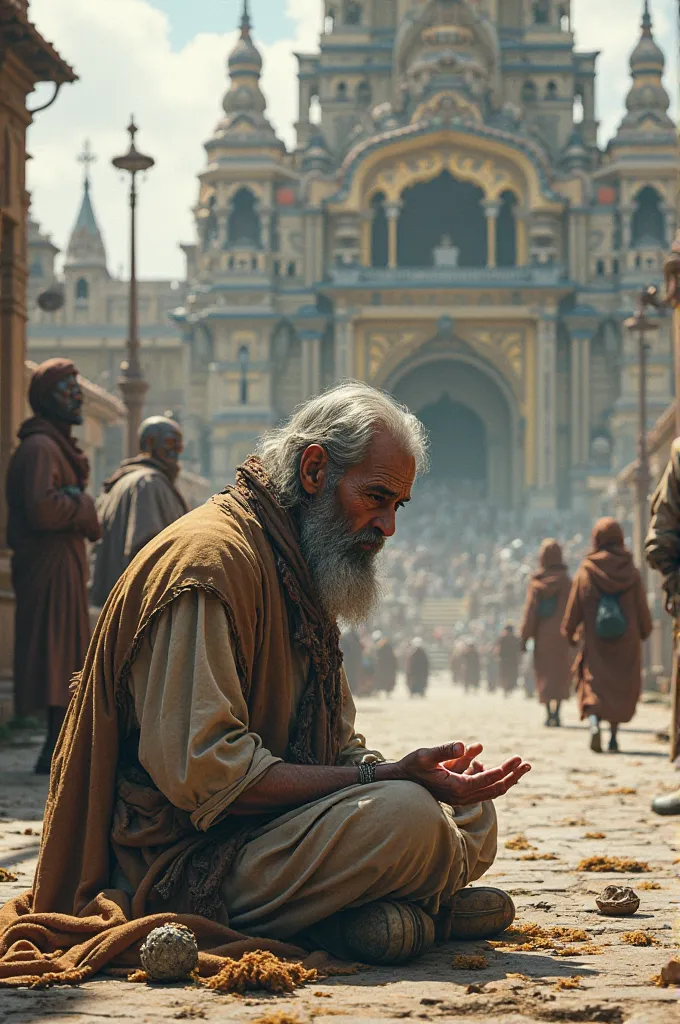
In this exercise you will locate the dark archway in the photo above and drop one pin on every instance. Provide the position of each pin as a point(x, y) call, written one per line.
point(379, 247)
point(473, 421)
point(244, 221)
point(442, 212)
point(459, 452)
point(506, 231)
point(648, 228)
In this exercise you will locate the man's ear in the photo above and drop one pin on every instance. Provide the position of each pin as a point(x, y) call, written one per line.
point(313, 469)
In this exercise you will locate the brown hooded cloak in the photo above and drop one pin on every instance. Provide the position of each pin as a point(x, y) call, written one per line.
point(549, 592)
point(609, 672)
point(47, 529)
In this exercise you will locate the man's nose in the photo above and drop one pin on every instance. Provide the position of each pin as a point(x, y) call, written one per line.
point(386, 523)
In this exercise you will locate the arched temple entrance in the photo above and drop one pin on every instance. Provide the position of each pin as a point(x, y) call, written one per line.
point(472, 419)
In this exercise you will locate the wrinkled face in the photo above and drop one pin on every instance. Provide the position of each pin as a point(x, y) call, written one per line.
point(65, 401)
point(166, 446)
point(346, 525)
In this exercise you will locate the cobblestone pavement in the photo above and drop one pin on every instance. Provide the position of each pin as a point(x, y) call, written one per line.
point(573, 805)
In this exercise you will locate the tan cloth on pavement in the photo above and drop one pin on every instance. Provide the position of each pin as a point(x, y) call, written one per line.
point(609, 672)
point(553, 657)
point(47, 530)
point(241, 548)
point(135, 505)
point(349, 848)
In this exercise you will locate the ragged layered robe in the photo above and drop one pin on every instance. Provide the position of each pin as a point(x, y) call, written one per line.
point(553, 657)
point(47, 530)
point(201, 675)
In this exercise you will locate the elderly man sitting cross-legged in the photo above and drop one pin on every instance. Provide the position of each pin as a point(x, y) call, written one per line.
point(209, 764)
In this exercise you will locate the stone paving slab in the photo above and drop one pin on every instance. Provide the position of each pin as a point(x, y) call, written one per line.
point(571, 792)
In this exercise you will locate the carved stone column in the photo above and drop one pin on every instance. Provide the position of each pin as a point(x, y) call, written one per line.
point(311, 363)
point(392, 210)
point(546, 401)
point(491, 211)
point(580, 397)
point(344, 345)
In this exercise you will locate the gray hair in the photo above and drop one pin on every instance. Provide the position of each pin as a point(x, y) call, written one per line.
point(343, 420)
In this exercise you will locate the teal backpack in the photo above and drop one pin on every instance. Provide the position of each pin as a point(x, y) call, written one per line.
point(610, 621)
point(547, 607)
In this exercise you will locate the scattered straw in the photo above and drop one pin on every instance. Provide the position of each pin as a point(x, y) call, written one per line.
point(518, 977)
point(322, 995)
point(190, 1013)
point(30, 832)
point(564, 983)
point(639, 938)
point(528, 937)
point(260, 970)
point(463, 962)
point(648, 885)
point(277, 1018)
point(540, 856)
point(594, 835)
point(138, 977)
point(518, 843)
point(589, 949)
point(72, 977)
point(621, 864)
point(621, 791)
point(573, 823)
point(8, 876)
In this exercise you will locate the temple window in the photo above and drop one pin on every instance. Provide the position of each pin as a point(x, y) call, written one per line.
point(379, 231)
point(579, 110)
point(341, 91)
point(542, 12)
point(315, 110)
point(615, 267)
point(564, 19)
point(364, 94)
point(329, 22)
point(352, 12)
point(442, 223)
point(600, 268)
point(36, 269)
point(647, 227)
point(82, 289)
point(551, 91)
point(506, 231)
point(244, 221)
point(244, 360)
point(292, 269)
point(529, 92)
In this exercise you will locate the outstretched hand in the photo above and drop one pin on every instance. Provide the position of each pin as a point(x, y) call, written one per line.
point(454, 776)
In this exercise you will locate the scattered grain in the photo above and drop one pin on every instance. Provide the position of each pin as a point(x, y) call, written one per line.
point(594, 835)
point(623, 865)
point(260, 970)
point(8, 876)
point(648, 885)
point(463, 962)
point(589, 949)
point(621, 791)
point(138, 977)
point(565, 983)
point(540, 856)
point(639, 938)
point(518, 843)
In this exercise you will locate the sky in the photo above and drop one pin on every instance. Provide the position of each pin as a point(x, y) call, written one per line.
point(164, 61)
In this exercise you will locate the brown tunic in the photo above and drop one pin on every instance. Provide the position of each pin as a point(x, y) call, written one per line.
point(609, 672)
point(553, 658)
point(507, 650)
point(46, 531)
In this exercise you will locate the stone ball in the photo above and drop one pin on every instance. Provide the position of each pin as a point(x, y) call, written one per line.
point(170, 953)
point(618, 901)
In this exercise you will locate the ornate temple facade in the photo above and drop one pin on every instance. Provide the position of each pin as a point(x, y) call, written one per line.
point(446, 227)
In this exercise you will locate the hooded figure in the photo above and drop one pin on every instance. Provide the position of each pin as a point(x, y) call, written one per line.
point(417, 669)
point(607, 587)
point(50, 518)
point(546, 603)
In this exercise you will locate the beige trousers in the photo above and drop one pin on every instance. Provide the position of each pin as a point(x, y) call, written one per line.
point(388, 839)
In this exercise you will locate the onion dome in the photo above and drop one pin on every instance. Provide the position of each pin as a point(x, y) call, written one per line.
point(647, 102)
point(575, 156)
point(316, 156)
point(245, 57)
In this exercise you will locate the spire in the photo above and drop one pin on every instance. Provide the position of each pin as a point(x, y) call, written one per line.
point(86, 247)
point(244, 103)
point(647, 101)
point(246, 23)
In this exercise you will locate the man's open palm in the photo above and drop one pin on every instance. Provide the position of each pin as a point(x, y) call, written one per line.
point(454, 776)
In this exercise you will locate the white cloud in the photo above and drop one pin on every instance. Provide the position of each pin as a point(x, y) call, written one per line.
point(122, 53)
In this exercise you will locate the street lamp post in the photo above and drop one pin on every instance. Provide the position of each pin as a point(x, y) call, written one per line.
point(641, 324)
point(132, 383)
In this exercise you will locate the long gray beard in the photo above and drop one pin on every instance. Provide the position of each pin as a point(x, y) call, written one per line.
point(347, 578)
